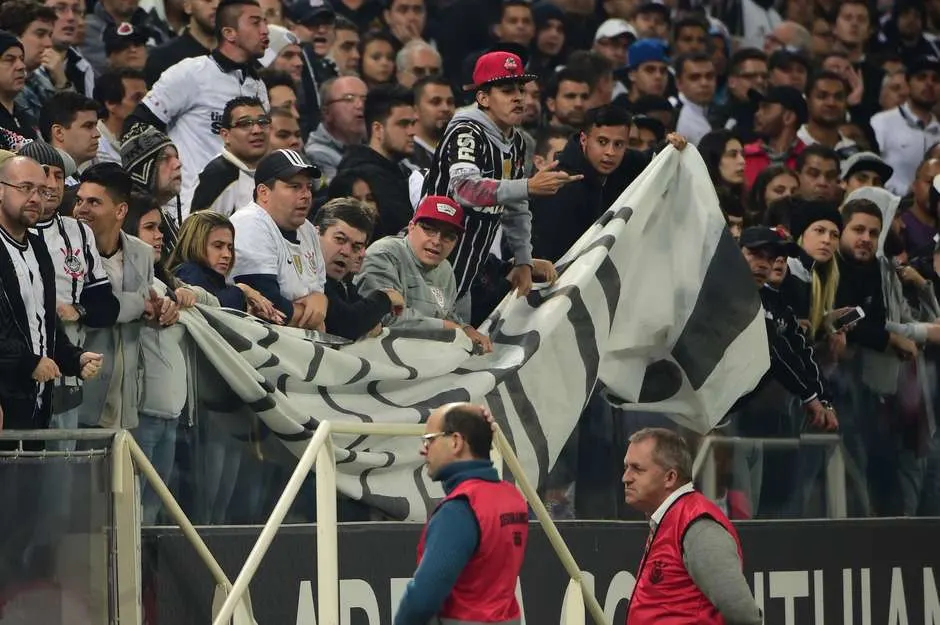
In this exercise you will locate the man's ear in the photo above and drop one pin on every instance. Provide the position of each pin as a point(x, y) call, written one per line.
point(121, 211)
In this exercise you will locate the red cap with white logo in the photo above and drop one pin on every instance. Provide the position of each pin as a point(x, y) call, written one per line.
point(499, 66)
point(440, 208)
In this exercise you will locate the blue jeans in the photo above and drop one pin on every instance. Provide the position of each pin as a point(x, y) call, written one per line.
point(157, 438)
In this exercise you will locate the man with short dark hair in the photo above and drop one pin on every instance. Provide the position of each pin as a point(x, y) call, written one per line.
point(118, 92)
point(285, 132)
point(191, 116)
point(827, 104)
point(689, 36)
point(747, 72)
point(818, 170)
point(277, 251)
point(345, 226)
point(33, 24)
point(472, 548)
point(566, 97)
point(696, 83)
point(16, 125)
point(690, 537)
point(434, 103)
point(70, 19)
point(390, 126)
point(780, 114)
point(228, 181)
point(197, 39)
point(789, 69)
point(345, 49)
point(69, 121)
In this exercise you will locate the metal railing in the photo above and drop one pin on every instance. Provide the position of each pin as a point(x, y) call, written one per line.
point(705, 469)
point(320, 452)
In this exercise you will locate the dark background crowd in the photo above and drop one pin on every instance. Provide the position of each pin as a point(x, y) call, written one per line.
point(192, 148)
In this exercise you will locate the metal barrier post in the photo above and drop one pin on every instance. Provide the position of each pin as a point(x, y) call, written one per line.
point(126, 532)
point(710, 470)
point(835, 483)
point(327, 535)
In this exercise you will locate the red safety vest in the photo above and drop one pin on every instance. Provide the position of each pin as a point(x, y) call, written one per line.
point(485, 592)
point(665, 593)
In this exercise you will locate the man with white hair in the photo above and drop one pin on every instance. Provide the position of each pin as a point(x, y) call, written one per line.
point(790, 36)
point(416, 60)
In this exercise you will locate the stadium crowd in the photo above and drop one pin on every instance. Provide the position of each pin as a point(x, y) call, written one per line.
point(344, 165)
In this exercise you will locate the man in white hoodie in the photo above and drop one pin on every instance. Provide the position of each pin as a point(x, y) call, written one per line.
point(228, 181)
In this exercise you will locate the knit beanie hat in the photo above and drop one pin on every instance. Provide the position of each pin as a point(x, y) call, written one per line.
point(804, 213)
point(42, 153)
point(8, 40)
point(142, 146)
point(68, 163)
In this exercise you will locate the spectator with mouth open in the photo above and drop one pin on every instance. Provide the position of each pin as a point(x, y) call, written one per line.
point(416, 266)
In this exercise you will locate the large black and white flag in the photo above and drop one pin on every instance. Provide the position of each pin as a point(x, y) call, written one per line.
point(655, 301)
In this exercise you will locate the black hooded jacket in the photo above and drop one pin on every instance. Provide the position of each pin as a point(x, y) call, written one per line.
point(388, 183)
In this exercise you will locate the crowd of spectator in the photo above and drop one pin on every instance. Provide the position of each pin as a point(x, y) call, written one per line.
point(344, 165)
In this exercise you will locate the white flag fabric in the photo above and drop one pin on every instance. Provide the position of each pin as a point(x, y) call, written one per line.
point(655, 301)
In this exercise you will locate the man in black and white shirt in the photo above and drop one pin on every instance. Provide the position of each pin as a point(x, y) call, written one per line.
point(188, 100)
point(481, 164)
point(83, 291)
point(34, 349)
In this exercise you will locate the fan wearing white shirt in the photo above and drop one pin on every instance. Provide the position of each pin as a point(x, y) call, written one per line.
point(277, 251)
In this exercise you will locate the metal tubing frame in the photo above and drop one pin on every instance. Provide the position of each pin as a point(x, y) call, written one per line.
point(704, 466)
point(320, 436)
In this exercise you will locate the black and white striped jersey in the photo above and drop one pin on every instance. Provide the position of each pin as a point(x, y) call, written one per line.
point(471, 165)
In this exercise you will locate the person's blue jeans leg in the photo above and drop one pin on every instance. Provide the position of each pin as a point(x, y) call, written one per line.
point(156, 437)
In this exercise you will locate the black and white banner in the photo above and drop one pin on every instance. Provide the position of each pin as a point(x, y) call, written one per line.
point(655, 301)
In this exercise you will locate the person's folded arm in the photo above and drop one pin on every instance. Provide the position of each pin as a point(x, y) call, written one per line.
point(267, 285)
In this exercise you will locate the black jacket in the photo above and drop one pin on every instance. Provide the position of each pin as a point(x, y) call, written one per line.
point(860, 285)
point(742, 112)
point(388, 183)
point(18, 390)
point(350, 315)
point(792, 362)
point(634, 162)
point(165, 56)
point(559, 220)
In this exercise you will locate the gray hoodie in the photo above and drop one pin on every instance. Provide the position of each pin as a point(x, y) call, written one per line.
point(511, 194)
point(325, 151)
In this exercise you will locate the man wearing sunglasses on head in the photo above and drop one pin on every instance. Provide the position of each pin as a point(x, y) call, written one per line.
point(472, 548)
point(416, 266)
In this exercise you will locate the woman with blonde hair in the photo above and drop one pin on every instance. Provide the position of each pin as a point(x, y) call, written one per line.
point(204, 256)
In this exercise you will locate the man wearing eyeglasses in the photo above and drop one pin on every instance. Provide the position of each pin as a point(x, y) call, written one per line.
point(277, 251)
point(342, 110)
point(416, 266)
point(473, 546)
point(345, 225)
point(228, 181)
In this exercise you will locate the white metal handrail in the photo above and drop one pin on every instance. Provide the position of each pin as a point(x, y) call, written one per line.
point(705, 469)
point(320, 451)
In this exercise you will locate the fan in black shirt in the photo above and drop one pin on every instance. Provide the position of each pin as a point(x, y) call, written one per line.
point(16, 127)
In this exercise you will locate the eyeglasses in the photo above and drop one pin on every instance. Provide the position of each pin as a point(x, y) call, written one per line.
point(448, 235)
point(421, 72)
point(28, 188)
point(347, 99)
point(248, 122)
point(426, 439)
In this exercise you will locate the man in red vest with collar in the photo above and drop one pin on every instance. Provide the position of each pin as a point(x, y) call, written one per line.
point(473, 545)
point(691, 569)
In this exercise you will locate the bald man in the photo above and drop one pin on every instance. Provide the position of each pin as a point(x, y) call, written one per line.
point(473, 545)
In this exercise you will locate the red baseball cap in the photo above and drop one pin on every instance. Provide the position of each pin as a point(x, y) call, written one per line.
point(499, 66)
point(440, 208)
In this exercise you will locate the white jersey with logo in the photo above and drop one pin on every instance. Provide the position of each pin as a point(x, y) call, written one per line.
point(262, 249)
point(75, 258)
point(189, 98)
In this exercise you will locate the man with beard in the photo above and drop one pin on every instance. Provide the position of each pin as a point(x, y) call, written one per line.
point(780, 114)
point(390, 126)
point(827, 103)
point(345, 226)
point(566, 98)
point(434, 101)
point(196, 40)
point(192, 116)
point(906, 132)
point(480, 163)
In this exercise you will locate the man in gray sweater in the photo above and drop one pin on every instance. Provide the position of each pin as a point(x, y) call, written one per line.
point(692, 545)
point(416, 266)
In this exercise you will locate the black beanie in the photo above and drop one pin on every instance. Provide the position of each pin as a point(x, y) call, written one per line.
point(141, 147)
point(804, 213)
point(8, 40)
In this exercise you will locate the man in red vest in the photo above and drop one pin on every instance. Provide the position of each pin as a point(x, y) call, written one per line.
point(473, 545)
point(691, 570)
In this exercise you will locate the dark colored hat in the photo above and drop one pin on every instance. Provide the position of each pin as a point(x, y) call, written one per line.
point(123, 36)
point(789, 98)
point(282, 164)
point(923, 64)
point(141, 147)
point(544, 11)
point(804, 213)
point(42, 153)
point(776, 239)
point(647, 51)
point(656, 6)
point(783, 59)
point(307, 11)
point(8, 40)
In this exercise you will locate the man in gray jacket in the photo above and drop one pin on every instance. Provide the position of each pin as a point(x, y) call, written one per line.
point(416, 266)
point(110, 401)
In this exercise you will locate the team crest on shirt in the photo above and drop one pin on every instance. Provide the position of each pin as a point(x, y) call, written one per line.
point(507, 168)
point(298, 265)
point(311, 261)
point(72, 263)
point(438, 294)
